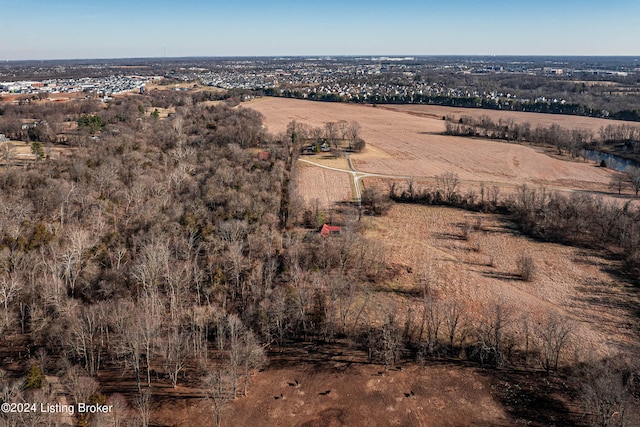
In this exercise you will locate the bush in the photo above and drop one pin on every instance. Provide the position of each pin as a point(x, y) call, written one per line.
point(374, 202)
point(526, 267)
point(34, 378)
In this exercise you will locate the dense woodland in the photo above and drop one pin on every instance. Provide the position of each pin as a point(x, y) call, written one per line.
point(164, 250)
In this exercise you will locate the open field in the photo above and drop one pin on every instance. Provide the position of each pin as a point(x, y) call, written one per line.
point(442, 396)
point(336, 392)
point(402, 142)
point(479, 270)
point(22, 151)
point(323, 186)
point(535, 119)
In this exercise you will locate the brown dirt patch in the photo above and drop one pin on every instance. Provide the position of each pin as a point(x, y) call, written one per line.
point(442, 396)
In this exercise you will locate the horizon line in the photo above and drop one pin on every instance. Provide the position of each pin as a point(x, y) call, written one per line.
point(325, 56)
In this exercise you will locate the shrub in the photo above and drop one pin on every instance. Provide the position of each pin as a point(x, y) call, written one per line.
point(34, 378)
point(526, 267)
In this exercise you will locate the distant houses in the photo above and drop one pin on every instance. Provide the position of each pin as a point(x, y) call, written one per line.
point(315, 148)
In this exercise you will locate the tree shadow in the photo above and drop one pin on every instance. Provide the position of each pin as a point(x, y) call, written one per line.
point(535, 398)
point(622, 293)
point(447, 236)
point(499, 275)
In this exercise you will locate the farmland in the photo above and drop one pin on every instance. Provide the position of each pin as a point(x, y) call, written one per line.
point(197, 229)
point(407, 141)
point(470, 260)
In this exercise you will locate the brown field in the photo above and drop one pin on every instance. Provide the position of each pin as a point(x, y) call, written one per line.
point(22, 151)
point(322, 186)
point(443, 396)
point(335, 391)
point(407, 141)
point(535, 119)
point(478, 270)
point(481, 272)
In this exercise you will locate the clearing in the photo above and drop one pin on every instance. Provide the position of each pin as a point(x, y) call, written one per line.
point(407, 140)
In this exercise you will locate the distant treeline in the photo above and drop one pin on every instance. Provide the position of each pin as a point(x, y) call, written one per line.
point(465, 102)
point(622, 140)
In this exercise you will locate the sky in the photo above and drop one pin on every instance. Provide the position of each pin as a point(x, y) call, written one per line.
point(79, 29)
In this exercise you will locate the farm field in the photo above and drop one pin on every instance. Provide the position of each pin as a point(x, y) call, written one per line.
point(535, 119)
point(322, 186)
point(401, 142)
point(471, 259)
point(338, 393)
point(479, 270)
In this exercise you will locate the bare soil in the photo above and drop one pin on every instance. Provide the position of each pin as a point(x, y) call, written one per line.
point(344, 391)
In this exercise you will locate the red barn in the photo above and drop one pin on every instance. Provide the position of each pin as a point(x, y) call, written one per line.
point(328, 230)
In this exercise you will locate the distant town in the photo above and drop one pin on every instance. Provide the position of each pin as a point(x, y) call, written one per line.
point(554, 84)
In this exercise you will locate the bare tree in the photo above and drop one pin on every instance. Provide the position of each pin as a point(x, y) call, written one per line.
point(618, 182)
point(491, 338)
point(7, 152)
point(607, 388)
point(554, 333)
point(219, 386)
point(10, 286)
point(75, 257)
point(633, 178)
point(353, 132)
point(84, 332)
point(252, 357)
point(454, 322)
point(175, 351)
point(448, 183)
point(526, 267)
point(331, 133)
point(143, 407)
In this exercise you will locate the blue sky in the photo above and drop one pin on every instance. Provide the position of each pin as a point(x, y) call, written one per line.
point(62, 29)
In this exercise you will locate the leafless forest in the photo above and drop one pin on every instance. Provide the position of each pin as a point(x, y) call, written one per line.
point(164, 252)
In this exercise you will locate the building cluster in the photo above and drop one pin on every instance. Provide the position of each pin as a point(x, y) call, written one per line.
point(105, 86)
point(374, 79)
point(355, 79)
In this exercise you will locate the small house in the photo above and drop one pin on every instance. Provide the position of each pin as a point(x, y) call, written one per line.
point(309, 149)
point(328, 230)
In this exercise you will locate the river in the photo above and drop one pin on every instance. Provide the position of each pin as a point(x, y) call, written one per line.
point(613, 162)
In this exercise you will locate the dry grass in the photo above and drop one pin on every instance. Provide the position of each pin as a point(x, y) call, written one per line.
point(443, 396)
point(481, 269)
point(22, 151)
point(357, 396)
point(407, 140)
point(324, 186)
point(535, 119)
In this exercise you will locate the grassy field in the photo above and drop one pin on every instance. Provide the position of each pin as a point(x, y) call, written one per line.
point(402, 142)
